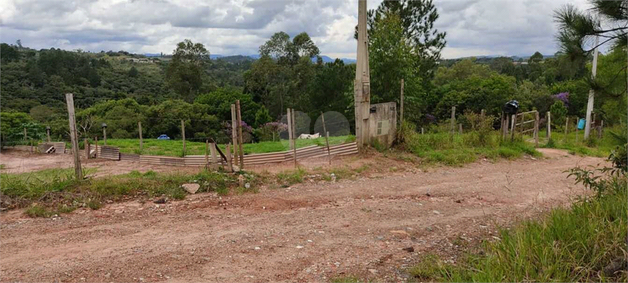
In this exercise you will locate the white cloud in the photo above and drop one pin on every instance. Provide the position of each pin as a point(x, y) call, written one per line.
point(474, 27)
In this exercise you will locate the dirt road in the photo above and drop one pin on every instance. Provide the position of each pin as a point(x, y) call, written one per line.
point(308, 232)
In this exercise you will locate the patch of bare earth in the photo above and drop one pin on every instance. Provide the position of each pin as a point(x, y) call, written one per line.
point(308, 232)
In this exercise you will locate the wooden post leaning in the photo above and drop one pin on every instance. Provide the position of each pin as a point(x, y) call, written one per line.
point(241, 152)
point(69, 98)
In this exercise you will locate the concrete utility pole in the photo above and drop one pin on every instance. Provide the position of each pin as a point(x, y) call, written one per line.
point(362, 83)
point(587, 125)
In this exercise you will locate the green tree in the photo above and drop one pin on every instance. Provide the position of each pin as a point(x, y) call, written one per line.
point(577, 27)
point(220, 100)
point(8, 53)
point(281, 48)
point(392, 58)
point(262, 117)
point(282, 76)
point(183, 74)
point(133, 73)
point(417, 20)
point(559, 113)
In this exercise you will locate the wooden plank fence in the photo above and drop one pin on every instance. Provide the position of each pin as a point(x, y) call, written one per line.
point(108, 152)
point(313, 151)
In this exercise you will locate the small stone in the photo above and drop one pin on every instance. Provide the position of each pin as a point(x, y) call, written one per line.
point(435, 211)
point(374, 271)
point(191, 187)
point(409, 249)
point(299, 247)
point(160, 201)
point(257, 248)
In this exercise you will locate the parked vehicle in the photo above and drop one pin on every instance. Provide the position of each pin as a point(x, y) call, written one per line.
point(163, 137)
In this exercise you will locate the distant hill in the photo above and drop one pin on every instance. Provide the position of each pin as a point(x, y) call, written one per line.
point(236, 58)
point(327, 59)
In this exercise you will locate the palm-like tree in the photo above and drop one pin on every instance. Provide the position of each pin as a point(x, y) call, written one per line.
point(607, 20)
point(607, 23)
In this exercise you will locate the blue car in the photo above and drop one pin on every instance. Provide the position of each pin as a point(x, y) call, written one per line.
point(163, 137)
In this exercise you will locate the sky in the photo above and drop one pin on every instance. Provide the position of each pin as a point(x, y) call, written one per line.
point(231, 27)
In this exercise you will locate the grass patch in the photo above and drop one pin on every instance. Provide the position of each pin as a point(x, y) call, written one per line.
point(175, 147)
point(291, 177)
point(37, 211)
point(56, 191)
point(586, 242)
point(457, 150)
point(594, 146)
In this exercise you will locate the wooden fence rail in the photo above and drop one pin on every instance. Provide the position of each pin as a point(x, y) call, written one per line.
point(313, 151)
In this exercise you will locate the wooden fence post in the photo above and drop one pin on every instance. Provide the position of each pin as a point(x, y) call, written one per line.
point(234, 132)
point(294, 146)
point(536, 128)
point(513, 122)
point(599, 131)
point(183, 136)
point(48, 133)
point(139, 130)
point(422, 131)
point(289, 121)
point(566, 127)
point(69, 98)
point(327, 133)
point(460, 128)
point(25, 135)
point(241, 151)
point(86, 146)
point(96, 145)
point(104, 135)
point(212, 150)
point(401, 104)
point(206, 154)
point(453, 119)
point(31, 145)
point(549, 125)
point(504, 125)
point(228, 153)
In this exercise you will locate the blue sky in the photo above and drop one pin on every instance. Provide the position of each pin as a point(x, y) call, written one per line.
point(474, 27)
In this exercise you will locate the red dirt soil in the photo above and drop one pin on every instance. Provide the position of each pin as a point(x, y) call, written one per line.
point(313, 231)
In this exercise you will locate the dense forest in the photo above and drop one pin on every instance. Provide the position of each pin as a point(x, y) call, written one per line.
point(120, 88)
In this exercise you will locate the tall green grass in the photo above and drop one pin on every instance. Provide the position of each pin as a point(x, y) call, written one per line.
point(458, 149)
point(594, 146)
point(586, 242)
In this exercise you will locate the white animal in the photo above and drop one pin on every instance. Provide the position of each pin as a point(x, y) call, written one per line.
point(309, 137)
